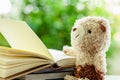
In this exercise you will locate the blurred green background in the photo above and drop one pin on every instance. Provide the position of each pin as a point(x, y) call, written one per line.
point(52, 20)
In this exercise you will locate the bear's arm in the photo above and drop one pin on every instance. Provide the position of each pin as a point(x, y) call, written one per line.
point(100, 63)
point(70, 51)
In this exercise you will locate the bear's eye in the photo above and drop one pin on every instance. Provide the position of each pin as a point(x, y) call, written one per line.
point(74, 29)
point(89, 31)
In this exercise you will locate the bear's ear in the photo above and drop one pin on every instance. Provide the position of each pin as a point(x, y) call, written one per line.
point(102, 26)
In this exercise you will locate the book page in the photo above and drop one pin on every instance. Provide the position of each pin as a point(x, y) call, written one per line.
point(13, 60)
point(9, 72)
point(58, 55)
point(20, 36)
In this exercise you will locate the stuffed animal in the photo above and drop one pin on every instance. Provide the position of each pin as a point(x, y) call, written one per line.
point(90, 39)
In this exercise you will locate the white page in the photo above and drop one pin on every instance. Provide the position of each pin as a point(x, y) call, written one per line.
point(20, 36)
point(58, 55)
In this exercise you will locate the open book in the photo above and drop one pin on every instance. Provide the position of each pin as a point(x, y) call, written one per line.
point(27, 53)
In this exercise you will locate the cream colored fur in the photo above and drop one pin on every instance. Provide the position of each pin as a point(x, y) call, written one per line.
point(89, 48)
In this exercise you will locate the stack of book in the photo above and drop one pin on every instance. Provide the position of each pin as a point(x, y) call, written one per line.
point(48, 74)
point(27, 53)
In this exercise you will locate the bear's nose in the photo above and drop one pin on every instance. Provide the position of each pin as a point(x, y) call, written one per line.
point(74, 29)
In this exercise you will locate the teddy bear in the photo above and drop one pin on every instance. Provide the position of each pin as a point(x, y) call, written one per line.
point(90, 39)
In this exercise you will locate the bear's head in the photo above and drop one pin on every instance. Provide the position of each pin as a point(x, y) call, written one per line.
point(91, 35)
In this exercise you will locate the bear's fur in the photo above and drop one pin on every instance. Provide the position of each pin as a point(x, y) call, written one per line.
point(90, 39)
